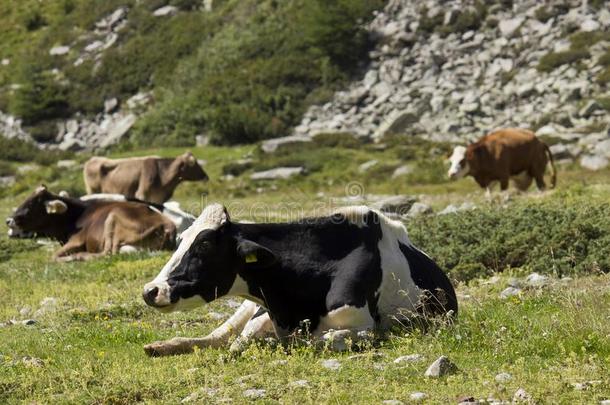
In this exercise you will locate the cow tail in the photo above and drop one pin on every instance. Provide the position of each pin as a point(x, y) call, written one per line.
point(553, 169)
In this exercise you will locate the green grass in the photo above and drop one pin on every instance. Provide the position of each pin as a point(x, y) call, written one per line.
point(547, 339)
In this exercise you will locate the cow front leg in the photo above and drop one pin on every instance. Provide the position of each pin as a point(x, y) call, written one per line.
point(218, 338)
point(67, 252)
point(258, 327)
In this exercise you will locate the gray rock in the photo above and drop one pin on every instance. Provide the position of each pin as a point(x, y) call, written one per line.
point(366, 166)
point(441, 367)
point(409, 358)
point(604, 402)
point(199, 395)
point(419, 209)
point(32, 361)
point(72, 145)
point(299, 384)
point(402, 171)
point(59, 50)
point(503, 378)
point(510, 292)
point(271, 145)
point(603, 148)
point(118, 129)
point(560, 151)
point(589, 109)
point(140, 100)
point(254, 393)
point(202, 140)
point(589, 26)
point(331, 364)
point(66, 164)
point(7, 181)
point(537, 280)
point(165, 11)
point(521, 395)
point(94, 46)
point(279, 173)
point(418, 396)
point(110, 105)
point(398, 204)
point(594, 162)
point(399, 124)
point(392, 402)
point(509, 26)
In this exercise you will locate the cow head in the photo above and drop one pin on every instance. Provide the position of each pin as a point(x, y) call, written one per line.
point(37, 214)
point(189, 168)
point(208, 264)
point(459, 164)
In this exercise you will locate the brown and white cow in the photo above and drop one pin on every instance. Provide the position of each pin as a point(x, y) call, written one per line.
point(148, 178)
point(92, 228)
point(510, 153)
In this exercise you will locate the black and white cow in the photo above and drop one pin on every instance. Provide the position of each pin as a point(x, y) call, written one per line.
point(350, 272)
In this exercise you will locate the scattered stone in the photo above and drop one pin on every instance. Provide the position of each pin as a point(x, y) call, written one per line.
point(271, 145)
point(111, 105)
point(409, 358)
point(603, 148)
point(202, 140)
point(331, 364)
point(589, 109)
point(7, 181)
point(402, 171)
point(594, 162)
point(280, 173)
point(589, 26)
point(521, 396)
point(59, 50)
point(536, 280)
point(398, 204)
point(441, 367)
point(418, 396)
point(418, 209)
point(604, 402)
point(166, 11)
point(66, 164)
point(503, 378)
point(254, 393)
point(198, 395)
point(299, 384)
point(32, 361)
point(139, 101)
point(392, 402)
point(118, 130)
point(279, 362)
point(366, 166)
point(510, 292)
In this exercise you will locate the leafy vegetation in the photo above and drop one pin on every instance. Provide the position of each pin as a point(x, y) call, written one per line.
point(553, 60)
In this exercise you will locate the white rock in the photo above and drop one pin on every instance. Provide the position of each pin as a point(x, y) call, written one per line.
point(509, 26)
point(165, 11)
point(594, 162)
point(589, 26)
point(271, 145)
point(94, 46)
point(510, 292)
point(503, 378)
point(402, 171)
point(279, 173)
point(521, 396)
point(364, 167)
point(331, 364)
point(536, 280)
point(254, 393)
point(418, 396)
point(59, 50)
point(66, 164)
point(118, 129)
point(419, 209)
point(392, 402)
point(409, 358)
point(299, 384)
point(441, 366)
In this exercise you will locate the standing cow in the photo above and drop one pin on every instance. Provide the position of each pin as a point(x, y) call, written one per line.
point(505, 154)
point(149, 178)
point(352, 272)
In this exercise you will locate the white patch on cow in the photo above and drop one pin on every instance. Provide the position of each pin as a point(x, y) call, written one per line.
point(103, 196)
point(459, 165)
point(212, 217)
point(398, 294)
point(345, 317)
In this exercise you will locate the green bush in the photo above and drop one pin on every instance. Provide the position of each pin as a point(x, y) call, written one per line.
point(553, 60)
point(545, 13)
point(561, 236)
point(603, 77)
point(16, 150)
point(583, 40)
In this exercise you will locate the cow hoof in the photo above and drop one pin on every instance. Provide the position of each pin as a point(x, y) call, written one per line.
point(165, 348)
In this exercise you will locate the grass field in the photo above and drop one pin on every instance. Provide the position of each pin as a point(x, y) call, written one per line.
point(90, 322)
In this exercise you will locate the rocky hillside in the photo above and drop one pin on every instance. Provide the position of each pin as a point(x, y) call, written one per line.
point(79, 75)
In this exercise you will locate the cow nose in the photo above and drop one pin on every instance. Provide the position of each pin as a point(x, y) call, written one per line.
point(150, 295)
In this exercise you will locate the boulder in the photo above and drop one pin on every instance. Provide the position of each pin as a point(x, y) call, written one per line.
point(59, 50)
point(166, 11)
point(278, 173)
point(398, 204)
point(441, 367)
point(366, 166)
point(603, 148)
point(271, 145)
point(589, 109)
point(117, 130)
point(110, 105)
point(594, 162)
point(589, 25)
point(402, 171)
point(509, 26)
point(418, 209)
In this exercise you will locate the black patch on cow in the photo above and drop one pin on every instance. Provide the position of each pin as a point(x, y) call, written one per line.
point(440, 295)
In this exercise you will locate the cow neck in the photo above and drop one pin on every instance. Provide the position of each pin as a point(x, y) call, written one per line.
point(169, 169)
point(76, 208)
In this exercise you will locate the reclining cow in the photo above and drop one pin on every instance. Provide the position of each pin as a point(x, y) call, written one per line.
point(352, 272)
point(510, 153)
point(88, 229)
point(148, 178)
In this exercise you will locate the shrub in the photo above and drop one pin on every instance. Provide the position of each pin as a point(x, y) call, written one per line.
point(604, 102)
point(553, 60)
point(603, 77)
point(583, 40)
point(560, 236)
point(16, 150)
point(604, 60)
point(544, 13)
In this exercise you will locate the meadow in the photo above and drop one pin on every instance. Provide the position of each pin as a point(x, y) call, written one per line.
point(89, 324)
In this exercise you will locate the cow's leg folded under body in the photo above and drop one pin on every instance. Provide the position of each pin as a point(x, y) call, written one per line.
point(219, 337)
point(258, 327)
point(68, 252)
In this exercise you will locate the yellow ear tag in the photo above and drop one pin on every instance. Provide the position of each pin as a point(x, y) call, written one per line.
point(251, 258)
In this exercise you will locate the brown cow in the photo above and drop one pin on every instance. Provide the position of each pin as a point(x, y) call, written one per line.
point(510, 153)
point(149, 178)
point(92, 228)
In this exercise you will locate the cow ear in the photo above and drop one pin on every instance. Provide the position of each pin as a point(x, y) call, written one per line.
point(55, 207)
point(255, 255)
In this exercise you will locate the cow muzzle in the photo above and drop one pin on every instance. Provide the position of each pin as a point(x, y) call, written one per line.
point(157, 295)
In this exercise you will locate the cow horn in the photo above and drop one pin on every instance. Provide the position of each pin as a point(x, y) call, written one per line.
point(64, 194)
point(55, 207)
point(41, 188)
point(191, 159)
